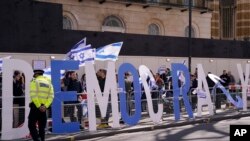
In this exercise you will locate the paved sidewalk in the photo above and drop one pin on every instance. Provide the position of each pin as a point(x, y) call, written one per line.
point(145, 124)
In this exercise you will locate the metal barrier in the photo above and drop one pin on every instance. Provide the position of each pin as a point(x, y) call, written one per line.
point(78, 111)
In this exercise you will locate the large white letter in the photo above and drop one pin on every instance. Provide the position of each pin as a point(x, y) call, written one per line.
point(93, 90)
point(206, 100)
point(144, 73)
point(244, 84)
point(9, 133)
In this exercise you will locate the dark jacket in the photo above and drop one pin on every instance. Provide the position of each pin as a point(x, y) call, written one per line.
point(18, 91)
point(101, 82)
point(226, 79)
point(74, 85)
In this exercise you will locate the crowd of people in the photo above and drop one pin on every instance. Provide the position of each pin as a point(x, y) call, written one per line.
point(162, 85)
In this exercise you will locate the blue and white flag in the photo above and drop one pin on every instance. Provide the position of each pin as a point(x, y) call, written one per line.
point(109, 52)
point(47, 72)
point(181, 75)
point(83, 54)
point(1, 62)
point(80, 44)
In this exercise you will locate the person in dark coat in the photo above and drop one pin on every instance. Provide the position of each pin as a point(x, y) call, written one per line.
point(101, 76)
point(18, 93)
point(74, 85)
point(194, 85)
point(225, 78)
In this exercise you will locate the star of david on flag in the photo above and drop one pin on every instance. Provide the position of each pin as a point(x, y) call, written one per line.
point(81, 52)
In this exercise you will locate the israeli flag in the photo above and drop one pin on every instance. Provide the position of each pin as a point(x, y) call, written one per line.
point(83, 54)
point(80, 44)
point(109, 52)
point(1, 62)
point(47, 72)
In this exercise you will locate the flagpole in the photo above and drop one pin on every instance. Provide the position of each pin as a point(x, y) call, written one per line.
point(190, 36)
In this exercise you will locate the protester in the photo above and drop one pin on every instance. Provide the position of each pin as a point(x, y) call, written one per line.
point(194, 85)
point(18, 93)
point(101, 76)
point(75, 85)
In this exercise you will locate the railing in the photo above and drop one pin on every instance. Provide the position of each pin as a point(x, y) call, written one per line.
point(200, 4)
point(78, 111)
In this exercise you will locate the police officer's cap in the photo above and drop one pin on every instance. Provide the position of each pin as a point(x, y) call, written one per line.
point(38, 71)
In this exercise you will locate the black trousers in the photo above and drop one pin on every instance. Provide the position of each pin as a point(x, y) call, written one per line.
point(36, 116)
point(71, 111)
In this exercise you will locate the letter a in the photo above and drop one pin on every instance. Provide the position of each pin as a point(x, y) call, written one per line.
point(237, 133)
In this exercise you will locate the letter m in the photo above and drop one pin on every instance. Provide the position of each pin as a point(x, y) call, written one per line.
point(94, 92)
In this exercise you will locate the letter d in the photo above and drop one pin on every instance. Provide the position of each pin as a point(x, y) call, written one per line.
point(9, 66)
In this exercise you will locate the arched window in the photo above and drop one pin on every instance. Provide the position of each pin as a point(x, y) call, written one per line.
point(192, 32)
point(113, 24)
point(153, 29)
point(67, 23)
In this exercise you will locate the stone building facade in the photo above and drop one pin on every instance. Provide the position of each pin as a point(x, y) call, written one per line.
point(154, 17)
point(230, 19)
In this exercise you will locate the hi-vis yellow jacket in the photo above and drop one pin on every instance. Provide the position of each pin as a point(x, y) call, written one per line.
point(41, 91)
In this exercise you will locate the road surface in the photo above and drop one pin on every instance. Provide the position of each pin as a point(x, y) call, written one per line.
point(215, 131)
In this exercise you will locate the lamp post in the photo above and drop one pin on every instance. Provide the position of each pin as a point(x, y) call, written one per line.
point(189, 35)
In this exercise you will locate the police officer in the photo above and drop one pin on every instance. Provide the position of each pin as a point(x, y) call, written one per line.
point(41, 95)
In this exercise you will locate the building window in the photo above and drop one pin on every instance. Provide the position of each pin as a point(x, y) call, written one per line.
point(153, 29)
point(227, 14)
point(67, 24)
point(153, 1)
point(186, 2)
point(192, 32)
point(113, 21)
point(113, 24)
